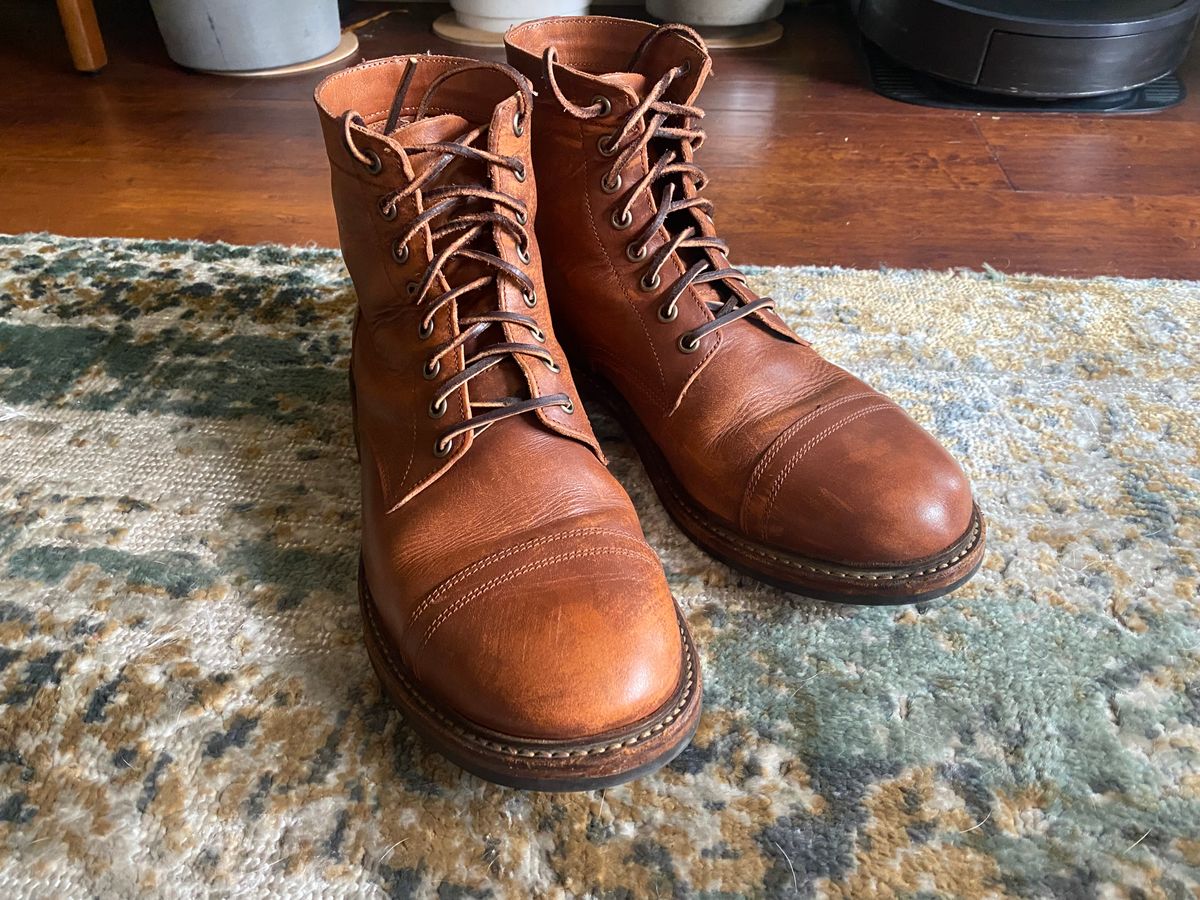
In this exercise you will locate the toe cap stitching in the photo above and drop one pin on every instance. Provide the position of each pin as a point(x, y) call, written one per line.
point(777, 484)
point(482, 589)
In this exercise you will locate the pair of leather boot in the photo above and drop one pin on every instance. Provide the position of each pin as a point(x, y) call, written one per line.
point(512, 606)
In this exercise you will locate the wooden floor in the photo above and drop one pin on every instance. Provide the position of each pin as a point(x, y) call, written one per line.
point(808, 165)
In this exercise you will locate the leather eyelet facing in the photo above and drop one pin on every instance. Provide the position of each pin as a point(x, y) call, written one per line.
point(388, 211)
point(539, 335)
point(610, 188)
point(411, 288)
point(431, 371)
point(688, 343)
point(441, 449)
point(519, 174)
point(634, 253)
point(518, 125)
point(425, 330)
point(438, 408)
point(604, 103)
point(606, 145)
point(522, 217)
point(550, 364)
point(649, 283)
point(400, 255)
point(668, 313)
point(374, 165)
point(568, 407)
point(530, 298)
point(623, 221)
point(524, 255)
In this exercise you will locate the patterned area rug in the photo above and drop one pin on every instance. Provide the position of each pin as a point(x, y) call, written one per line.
point(186, 708)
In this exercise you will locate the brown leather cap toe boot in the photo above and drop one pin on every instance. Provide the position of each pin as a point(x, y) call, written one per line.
point(765, 454)
point(512, 607)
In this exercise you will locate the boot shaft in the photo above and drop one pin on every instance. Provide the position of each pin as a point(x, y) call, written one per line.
point(641, 272)
point(432, 185)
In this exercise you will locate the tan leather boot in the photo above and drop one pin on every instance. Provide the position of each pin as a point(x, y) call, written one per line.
point(513, 609)
point(769, 457)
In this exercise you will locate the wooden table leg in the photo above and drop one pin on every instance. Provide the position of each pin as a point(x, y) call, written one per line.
point(83, 34)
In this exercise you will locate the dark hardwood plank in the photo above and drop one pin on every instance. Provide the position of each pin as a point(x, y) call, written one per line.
point(1088, 156)
point(807, 164)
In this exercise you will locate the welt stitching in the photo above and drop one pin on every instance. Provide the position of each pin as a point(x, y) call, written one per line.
point(509, 750)
point(523, 570)
point(433, 595)
point(777, 485)
point(759, 553)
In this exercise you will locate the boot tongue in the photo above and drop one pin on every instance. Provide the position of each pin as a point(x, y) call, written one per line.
point(505, 379)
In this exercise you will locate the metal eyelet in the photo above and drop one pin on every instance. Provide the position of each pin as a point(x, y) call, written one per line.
point(519, 174)
point(687, 67)
point(539, 335)
point(437, 409)
point(518, 126)
point(610, 188)
point(623, 221)
point(650, 283)
point(400, 255)
point(375, 166)
point(425, 330)
point(604, 103)
point(688, 343)
point(668, 313)
point(441, 449)
point(550, 364)
point(411, 288)
point(524, 255)
point(606, 145)
point(635, 255)
point(431, 371)
point(568, 407)
point(530, 298)
point(522, 218)
point(387, 210)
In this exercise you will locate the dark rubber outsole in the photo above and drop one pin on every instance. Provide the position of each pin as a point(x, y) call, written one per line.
point(916, 582)
point(598, 762)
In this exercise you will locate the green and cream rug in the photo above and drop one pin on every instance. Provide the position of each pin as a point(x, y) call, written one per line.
point(186, 709)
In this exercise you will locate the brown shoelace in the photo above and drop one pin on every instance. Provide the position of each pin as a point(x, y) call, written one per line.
point(673, 127)
point(460, 216)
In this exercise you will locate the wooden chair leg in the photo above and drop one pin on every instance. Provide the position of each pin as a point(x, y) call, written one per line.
point(83, 34)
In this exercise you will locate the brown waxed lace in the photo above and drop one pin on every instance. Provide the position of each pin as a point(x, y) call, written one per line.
point(467, 217)
point(657, 119)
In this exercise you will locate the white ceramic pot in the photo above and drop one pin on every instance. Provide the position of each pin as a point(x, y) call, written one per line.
point(242, 35)
point(718, 13)
point(499, 15)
